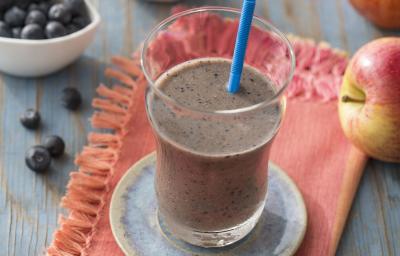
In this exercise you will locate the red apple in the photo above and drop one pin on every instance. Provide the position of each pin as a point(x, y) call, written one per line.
point(369, 102)
point(384, 13)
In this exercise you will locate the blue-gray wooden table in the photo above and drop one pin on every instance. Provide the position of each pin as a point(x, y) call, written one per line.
point(29, 203)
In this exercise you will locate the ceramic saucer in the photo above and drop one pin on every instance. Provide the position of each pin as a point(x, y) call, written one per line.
point(137, 230)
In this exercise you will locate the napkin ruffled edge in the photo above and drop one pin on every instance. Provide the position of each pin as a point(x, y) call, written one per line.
point(88, 186)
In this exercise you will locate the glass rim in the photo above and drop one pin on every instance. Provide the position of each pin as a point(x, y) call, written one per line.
point(172, 101)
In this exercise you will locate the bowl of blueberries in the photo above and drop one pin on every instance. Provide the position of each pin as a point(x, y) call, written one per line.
point(39, 37)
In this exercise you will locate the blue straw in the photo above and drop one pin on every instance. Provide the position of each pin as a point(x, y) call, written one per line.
point(241, 44)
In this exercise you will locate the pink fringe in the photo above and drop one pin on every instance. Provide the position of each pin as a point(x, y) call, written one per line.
point(86, 181)
point(319, 70)
point(129, 66)
point(104, 140)
point(88, 186)
point(113, 95)
point(121, 76)
point(104, 120)
point(108, 105)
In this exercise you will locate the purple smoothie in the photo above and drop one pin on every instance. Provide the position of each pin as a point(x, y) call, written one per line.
point(211, 167)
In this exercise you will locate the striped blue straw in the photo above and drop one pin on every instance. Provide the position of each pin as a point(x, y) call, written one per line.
point(242, 38)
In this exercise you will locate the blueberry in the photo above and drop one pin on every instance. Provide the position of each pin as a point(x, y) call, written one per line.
point(32, 31)
point(15, 17)
point(42, 6)
point(35, 17)
point(72, 28)
point(4, 30)
point(80, 21)
point(30, 119)
point(23, 3)
point(75, 6)
point(59, 12)
point(55, 145)
point(16, 32)
point(33, 6)
point(55, 29)
point(71, 98)
point(38, 159)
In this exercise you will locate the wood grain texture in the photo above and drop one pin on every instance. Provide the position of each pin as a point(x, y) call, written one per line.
point(29, 203)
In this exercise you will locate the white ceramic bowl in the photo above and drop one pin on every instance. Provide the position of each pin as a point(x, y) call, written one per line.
point(34, 58)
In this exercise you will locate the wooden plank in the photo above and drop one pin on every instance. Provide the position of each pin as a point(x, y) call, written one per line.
point(16, 95)
point(372, 227)
point(388, 186)
point(332, 26)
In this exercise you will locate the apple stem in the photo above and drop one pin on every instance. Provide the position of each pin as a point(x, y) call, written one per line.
point(346, 98)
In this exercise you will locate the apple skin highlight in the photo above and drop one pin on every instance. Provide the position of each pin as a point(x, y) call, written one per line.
point(369, 102)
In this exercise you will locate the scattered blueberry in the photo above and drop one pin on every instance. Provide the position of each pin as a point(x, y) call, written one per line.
point(38, 159)
point(75, 6)
point(32, 31)
point(59, 12)
point(30, 119)
point(36, 17)
point(5, 30)
point(16, 32)
point(71, 98)
point(55, 29)
point(55, 145)
point(15, 17)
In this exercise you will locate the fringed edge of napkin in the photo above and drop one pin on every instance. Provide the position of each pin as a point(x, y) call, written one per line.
point(319, 70)
point(88, 187)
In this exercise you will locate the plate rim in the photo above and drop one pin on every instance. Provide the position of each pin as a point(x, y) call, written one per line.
point(111, 214)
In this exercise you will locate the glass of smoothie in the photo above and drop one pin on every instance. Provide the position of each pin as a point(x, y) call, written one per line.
point(212, 146)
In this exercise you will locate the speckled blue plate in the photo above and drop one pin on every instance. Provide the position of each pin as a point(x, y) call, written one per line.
point(135, 225)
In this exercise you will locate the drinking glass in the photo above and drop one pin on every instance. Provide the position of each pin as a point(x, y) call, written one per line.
point(213, 196)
